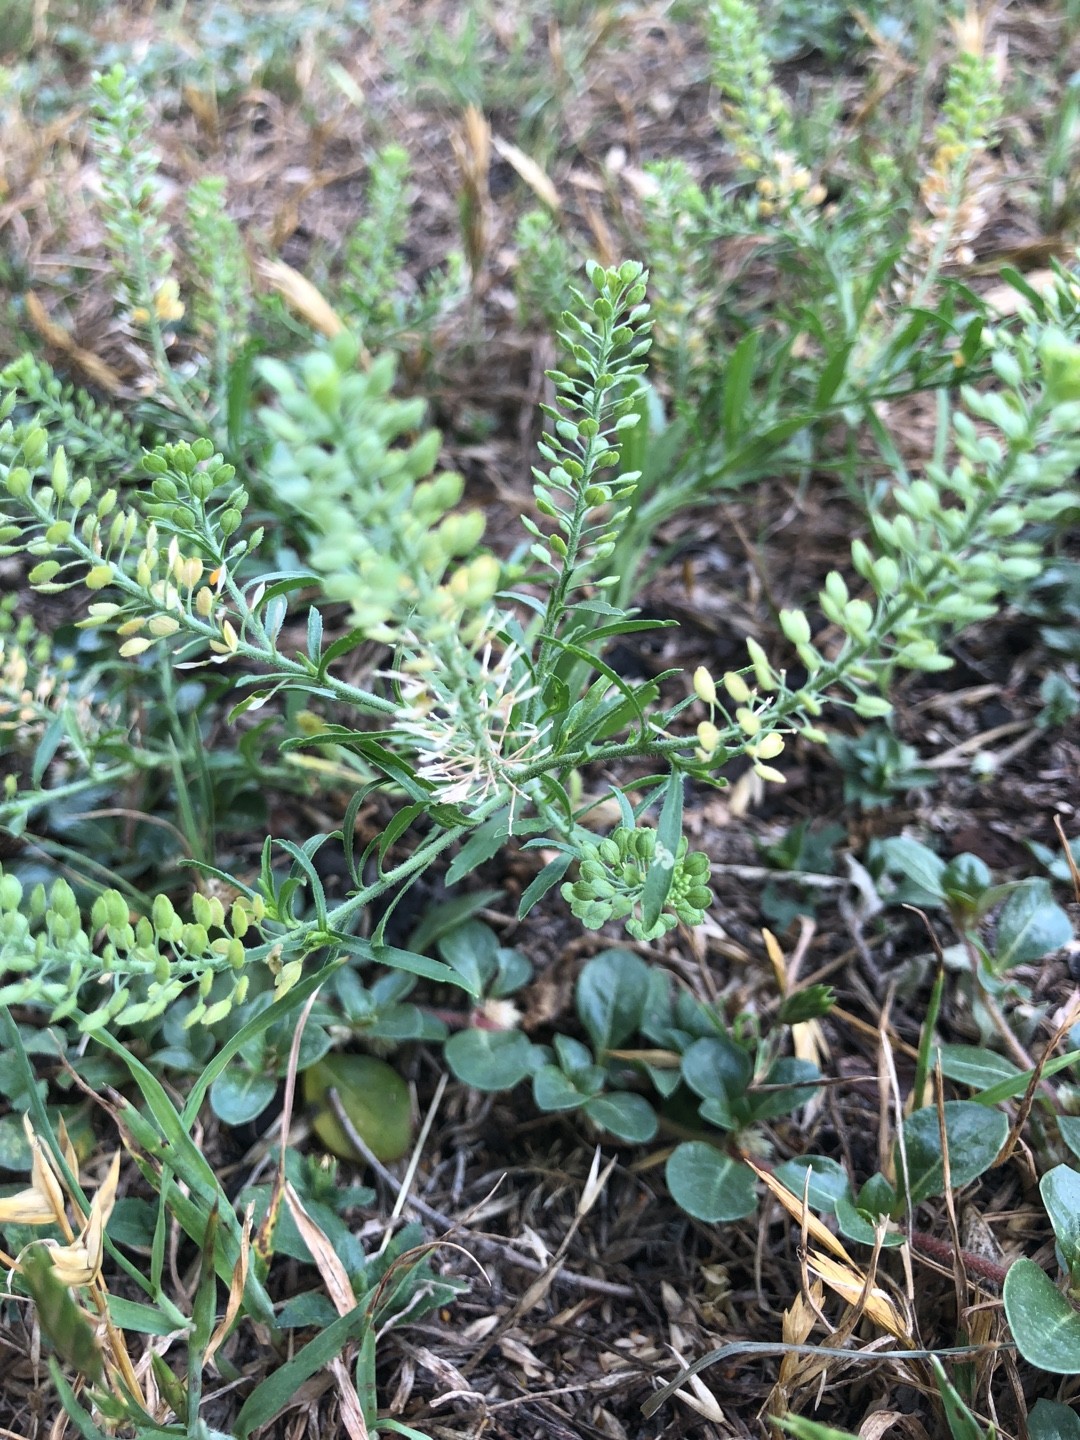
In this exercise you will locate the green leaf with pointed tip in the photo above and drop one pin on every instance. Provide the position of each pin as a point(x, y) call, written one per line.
point(1045, 1326)
point(662, 867)
point(1029, 926)
point(610, 997)
point(962, 1423)
point(973, 1134)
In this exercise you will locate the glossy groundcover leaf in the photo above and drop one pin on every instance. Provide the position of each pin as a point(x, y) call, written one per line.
point(491, 1059)
point(708, 1184)
point(372, 1094)
point(828, 1181)
point(240, 1095)
point(611, 993)
point(1060, 1190)
point(1029, 926)
point(1051, 1421)
point(973, 1134)
point(627, 1117)
point(1044, 1324)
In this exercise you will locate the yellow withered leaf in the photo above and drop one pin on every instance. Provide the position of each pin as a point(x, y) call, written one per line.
point(534, 175)
point(302, 296)
point(815, 1229)
point(96, 370)
point(849, 1283)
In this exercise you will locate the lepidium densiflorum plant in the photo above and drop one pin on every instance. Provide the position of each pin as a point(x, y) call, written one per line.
point(495, 697)
point(487, 705)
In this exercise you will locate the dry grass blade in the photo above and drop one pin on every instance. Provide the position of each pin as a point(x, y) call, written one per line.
point(350, 1409)
point(237, 1282)
point(798, 1210)
point(92, 366)
point(857, 1288)
point(534, 175)
point(472, 149)
point(329, 1266)
point(302, 296)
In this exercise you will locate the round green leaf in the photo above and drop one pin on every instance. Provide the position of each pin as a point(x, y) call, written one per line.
point(1050, 1421)
point(240, 1095)
point(715, 1067)
point(828, 1181)
point(974, 1135)
point(628, 1117)
point(1045, 1326)
point(1060, 1190)
point(611, 992)
point(767, 1104)
point(490, 1059)
point(708, 1184)
point(471, 950)
point(553, 1089)
point(1029, 926)
point(373, 1096)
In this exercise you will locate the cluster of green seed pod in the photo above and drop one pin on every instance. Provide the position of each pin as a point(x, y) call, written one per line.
point(79, 537)
point(386, 535)
point(954, 539)
point(50, 955)
point(611, 882)
point(607, 341)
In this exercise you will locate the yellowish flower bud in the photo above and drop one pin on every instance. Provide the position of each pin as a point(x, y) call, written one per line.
point(708, 736)
point(762, 669)
point(770, 746)
point(736, 687)
point(704, 687)
point(766, 772)
point(131, 648)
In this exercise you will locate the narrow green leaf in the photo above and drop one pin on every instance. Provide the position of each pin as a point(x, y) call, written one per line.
point(738, 380)
point(548, 877)
point(271, 1396)
point(662, 869)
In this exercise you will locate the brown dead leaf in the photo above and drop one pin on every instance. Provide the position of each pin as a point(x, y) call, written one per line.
point(302, 296)
point(92, 366)
point(534, 175)
point(338, 1285)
